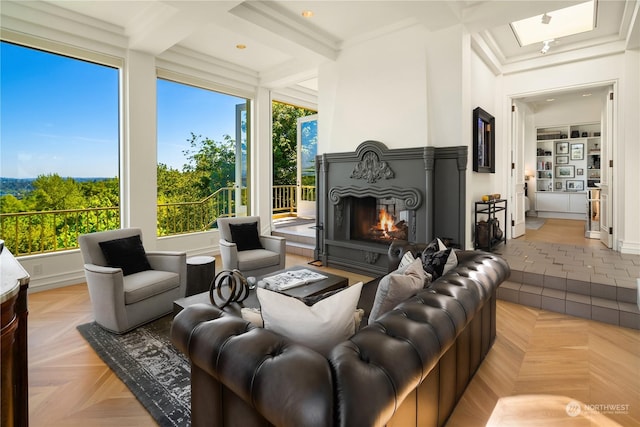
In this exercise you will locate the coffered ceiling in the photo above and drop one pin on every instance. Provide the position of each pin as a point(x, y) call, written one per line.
point(282, 47)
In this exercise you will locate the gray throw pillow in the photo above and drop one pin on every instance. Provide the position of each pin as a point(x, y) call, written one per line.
point(395, 288)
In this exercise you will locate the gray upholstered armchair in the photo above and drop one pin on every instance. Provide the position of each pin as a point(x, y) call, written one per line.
point(240, 243)
point(142, 289)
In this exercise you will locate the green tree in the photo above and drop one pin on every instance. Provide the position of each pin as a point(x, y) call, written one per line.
point(10, 204)
point(285, 142)
point(101, 193)
point(52, 192)
point(211, 164)
point(172, 184)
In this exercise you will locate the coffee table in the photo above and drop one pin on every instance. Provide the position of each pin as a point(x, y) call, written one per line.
point(331, 283)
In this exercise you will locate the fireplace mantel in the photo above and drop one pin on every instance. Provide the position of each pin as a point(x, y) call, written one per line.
point(410, 175)
point(412, 197)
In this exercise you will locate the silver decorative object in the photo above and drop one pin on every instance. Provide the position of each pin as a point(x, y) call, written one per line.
point(229, 286)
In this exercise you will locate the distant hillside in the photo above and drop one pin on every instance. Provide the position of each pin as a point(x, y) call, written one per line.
point(18, 187)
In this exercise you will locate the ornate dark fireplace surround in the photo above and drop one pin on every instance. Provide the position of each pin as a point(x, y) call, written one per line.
point(424, 187)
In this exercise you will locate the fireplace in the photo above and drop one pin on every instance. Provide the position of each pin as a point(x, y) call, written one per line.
point(375, 195)
point(379, 220)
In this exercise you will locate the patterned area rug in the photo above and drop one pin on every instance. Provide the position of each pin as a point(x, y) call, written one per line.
point(153, 369)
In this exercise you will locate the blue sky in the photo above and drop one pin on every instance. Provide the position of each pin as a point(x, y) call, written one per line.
point(60, 115)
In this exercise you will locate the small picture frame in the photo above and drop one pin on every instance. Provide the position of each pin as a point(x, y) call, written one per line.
point(558, 185)
point(562, 148)
point(577, 151)
point(575, 185)
point(579, 171)
point(562, 160)
point(565, 171)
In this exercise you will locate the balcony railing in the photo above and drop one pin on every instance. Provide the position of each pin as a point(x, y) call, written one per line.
point(190, 217)
point(27, 233)
point(285, 199)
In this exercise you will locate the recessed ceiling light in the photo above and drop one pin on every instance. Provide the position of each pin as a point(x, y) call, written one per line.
point(307, 13)
point(555, 24)
point(241, 46)
point(550, 99)
point(586, 94)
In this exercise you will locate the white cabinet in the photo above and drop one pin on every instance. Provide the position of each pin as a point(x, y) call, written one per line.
point(558, 203)
point(578, 203)
point(551, 202)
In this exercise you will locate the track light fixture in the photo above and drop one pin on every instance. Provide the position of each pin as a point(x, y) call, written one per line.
point(545, 18)
point(546, 45)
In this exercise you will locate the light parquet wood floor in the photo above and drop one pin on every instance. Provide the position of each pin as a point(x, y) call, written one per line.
point(536, 352)
point(566, 231)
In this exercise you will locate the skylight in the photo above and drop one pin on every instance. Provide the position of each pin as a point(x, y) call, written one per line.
point(555, 24)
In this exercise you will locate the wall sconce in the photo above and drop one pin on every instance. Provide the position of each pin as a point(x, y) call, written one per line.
point(527, 175)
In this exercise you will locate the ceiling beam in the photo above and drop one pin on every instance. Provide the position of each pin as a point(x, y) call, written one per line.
point(275, 19)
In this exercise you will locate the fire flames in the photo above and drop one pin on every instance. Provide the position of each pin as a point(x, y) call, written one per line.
point(387, 229)
point(386, 222)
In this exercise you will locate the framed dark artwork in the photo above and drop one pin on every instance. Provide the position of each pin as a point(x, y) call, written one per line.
point(484, 141)
point(577, 151)
point(562, 148)
point(579, 171)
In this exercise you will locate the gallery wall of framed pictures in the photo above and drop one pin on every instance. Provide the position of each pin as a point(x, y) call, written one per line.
point(567, 157)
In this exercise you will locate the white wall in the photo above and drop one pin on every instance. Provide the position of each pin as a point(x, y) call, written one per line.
point(629, 156)
point(448, 79)
point(559, 113)
point(483, 89)
point(376, 90)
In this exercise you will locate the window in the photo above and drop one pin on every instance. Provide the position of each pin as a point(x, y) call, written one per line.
point(59, 121)
point(202, 157)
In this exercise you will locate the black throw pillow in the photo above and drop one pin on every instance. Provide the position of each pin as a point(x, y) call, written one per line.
point(126, 253)
point(434, 262)
point(245, 236)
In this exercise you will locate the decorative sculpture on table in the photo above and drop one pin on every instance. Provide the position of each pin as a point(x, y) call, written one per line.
point(235, 284)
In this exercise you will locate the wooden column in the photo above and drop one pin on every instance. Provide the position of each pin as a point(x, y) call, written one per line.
point(14, 368)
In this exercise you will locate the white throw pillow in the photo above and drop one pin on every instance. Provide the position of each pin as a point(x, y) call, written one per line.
point(406, 260)
point(320, 326)
point(395, 288)
point(254, 316)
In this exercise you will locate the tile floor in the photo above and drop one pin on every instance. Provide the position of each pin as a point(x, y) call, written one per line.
point(589, 282)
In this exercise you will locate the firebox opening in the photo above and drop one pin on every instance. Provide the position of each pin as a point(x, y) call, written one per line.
point(378, 220)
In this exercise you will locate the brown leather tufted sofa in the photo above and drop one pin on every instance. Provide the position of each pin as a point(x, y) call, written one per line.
point(410, 367)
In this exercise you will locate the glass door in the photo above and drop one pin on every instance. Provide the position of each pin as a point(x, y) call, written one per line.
point(307, 131)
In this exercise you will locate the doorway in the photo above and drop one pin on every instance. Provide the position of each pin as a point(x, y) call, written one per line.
point(307, 136)
point(536, 186)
